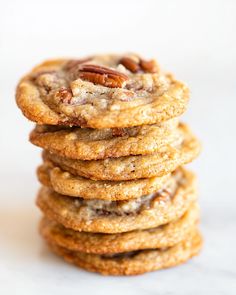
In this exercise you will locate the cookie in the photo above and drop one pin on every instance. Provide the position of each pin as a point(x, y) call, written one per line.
point(66, 183)
point(98, 243)
point(94, 144)
point(149, 211)
point(133, 167)
point(136, 262)
point(101, 92)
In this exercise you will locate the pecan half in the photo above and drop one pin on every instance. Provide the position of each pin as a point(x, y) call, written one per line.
point(102, 75)
point(64, 95)
point(147, 66)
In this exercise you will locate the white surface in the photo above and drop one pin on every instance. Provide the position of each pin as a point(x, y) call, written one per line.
point(194, 39)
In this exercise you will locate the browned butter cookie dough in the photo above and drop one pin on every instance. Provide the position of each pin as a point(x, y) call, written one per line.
point(101, 91)
point(135, 262)
point(94, 144)
point(104, 216)
point(97, 243)
point(133, 167)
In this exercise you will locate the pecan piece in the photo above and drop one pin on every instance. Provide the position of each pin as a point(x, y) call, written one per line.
point(130, 64)
point(148, 66)
point(64, 95)
point(119, 132)
point(102, 75)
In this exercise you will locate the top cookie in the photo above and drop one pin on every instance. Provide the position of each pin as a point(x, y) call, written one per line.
point(103, 91)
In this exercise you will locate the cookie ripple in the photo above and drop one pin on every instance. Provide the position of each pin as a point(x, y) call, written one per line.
point(137, 262)
point(133, 167)
point(95, 144)
point(159, 237)
point(66, 183)
point(64, 210)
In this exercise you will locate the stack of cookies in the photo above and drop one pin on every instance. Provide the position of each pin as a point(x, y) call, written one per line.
point(115, 196)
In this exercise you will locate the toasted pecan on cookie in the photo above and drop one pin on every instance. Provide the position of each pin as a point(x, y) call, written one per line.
point(102, 91)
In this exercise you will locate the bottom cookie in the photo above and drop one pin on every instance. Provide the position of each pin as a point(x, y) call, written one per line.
point(136, 262)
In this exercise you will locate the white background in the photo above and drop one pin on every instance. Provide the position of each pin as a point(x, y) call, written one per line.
point(194, 39)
